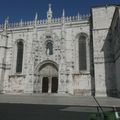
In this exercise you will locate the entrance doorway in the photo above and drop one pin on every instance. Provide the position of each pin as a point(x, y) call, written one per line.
point(54, 87)
point(45, 85)
point(50, 84)
point(48, 76)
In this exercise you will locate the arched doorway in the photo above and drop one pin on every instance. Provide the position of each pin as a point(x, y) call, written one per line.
point(48, 74)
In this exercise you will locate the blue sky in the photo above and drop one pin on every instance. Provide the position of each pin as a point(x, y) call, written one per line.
point(26, 9)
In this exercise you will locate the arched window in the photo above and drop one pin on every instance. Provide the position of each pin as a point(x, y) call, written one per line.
point(19, 57)
point(82, 53)
point(49, 48)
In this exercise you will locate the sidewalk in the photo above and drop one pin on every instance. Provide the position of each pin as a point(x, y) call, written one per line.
point(60, 100)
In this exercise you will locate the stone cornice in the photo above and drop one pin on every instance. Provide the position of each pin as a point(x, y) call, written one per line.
point(43, 23)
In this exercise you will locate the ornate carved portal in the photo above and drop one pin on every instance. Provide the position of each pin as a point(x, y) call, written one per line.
point(48, 76)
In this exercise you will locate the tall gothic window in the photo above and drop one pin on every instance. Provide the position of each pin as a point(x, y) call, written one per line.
point(49, 48)
point(82, 53)
point(19, 57)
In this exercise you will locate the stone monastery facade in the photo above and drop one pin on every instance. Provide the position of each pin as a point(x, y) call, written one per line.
point(77, 55)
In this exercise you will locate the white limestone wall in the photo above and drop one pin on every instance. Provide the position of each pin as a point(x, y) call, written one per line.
point(8, 60)
point(101, 21)
point(28, 62)
point(58, 54)
point(81, 79)
point(13, 82)
point(102, 16)
point(1, 68)
point(69, 59)
point(82, 84)
point(83, 28)
point(65, 55)
point(72, 58)
point(3, 65)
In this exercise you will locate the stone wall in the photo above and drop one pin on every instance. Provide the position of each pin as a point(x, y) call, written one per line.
point(65, 55)
point(116, 44)
point(103, 59)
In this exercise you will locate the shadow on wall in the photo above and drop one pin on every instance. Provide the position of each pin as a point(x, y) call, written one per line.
point(110, 74)
point(92, 60)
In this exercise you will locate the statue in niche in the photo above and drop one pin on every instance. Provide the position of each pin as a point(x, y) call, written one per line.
point(49, 48)
point(48, 52)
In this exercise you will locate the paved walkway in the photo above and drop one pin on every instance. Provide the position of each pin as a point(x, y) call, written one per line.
point(44, 99)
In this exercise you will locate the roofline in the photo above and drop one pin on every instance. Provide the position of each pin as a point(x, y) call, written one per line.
point(114, 16)
point(107, 5)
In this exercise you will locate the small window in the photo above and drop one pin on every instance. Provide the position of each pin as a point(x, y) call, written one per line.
point(82, 53)
point(48, 36)
point(19, 57)
point(49, 48)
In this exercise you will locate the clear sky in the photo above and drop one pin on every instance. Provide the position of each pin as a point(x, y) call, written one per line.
point(26, 9)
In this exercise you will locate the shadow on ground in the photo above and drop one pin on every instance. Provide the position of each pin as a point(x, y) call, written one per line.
point(44, 112)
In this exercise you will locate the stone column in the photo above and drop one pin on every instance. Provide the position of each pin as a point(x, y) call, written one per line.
point(41, 78)
point(49, 84)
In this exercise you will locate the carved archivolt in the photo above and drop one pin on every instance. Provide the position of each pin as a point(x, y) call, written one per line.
point(44, 63)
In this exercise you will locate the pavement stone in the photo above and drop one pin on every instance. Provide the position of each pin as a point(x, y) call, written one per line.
point(48, 99)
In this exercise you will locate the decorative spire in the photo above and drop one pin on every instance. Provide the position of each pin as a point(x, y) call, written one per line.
point(63, 25)
point(36, 18)
point(21, 22)
point(63, 14)
point(49, 10)
point(49, 13)
point(6, 23)
point(78, 16)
